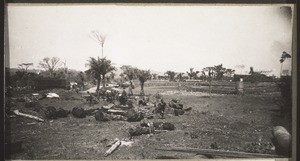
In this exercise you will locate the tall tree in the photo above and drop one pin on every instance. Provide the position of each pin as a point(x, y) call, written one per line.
point(251, 72)
point(112, 76)
point(180, 76)
point(171, 75)
point(99, 38)
point(154, 76)
point(130, 72)
point(192, 74)
point(81, 79)
point(122, 77)
point(99, 68)
point(50, 64)
point(219, 71)
point(284, 56)
point(210, 71)
point(107, 67)
point(229, 72)
point(143, 76)
point(25, 66)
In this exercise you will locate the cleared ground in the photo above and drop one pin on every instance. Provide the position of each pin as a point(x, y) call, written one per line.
point(237, 123)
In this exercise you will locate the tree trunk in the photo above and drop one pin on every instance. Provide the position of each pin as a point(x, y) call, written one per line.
point(280, 70)
point(102, 50)
point(142, 88)
point(130, 93)
point(82, 81)
point(103, 81)
point(98, 85)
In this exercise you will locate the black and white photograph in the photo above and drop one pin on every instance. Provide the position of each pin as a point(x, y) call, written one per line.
point(149, 81)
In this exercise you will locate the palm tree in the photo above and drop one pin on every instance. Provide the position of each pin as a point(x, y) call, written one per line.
point(143, 76)
point(130, 72)
point(107, 67)
point(251, 71)
point(284, 56)
point(99, 38)
point(219, 71)
point(210, 75)
point(229, 72)
point(192, 74)
point(180, 76)
point(171, 75)
point(99, 68)
point(154, 76)
point(94, 71)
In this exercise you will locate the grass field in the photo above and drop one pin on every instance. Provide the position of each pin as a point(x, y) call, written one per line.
point(232, 122)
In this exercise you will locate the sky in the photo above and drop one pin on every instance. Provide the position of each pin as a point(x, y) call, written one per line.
point(154, 37)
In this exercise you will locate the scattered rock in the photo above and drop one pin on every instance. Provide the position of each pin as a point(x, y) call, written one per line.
point(60, 113)
point(101, 116)
point(178, 112)
point(147, 128)
point(142, 103)
point(139, 131)
point(50, 112)
point(188, 109)
point(163, 126)
point(133, 116)
point(175, 104)
point(78, 112)
point(159, 125)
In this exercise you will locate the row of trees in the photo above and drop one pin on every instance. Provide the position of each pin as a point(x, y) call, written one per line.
point(132, 73)
point(216, 72)
point(101, 67)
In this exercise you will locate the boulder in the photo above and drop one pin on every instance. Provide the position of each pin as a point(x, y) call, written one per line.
point(60, 113)
point(133, 116)
point(142, 103)
point(78, 112)
point(139, 131)
point(101, 116)
point(159, 125)
point(178, 112)
point(175, 104)
point(281, 140)
point(163, 126)
point(50, 112)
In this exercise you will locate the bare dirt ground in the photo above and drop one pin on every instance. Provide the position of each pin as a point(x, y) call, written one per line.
point(230, 122)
